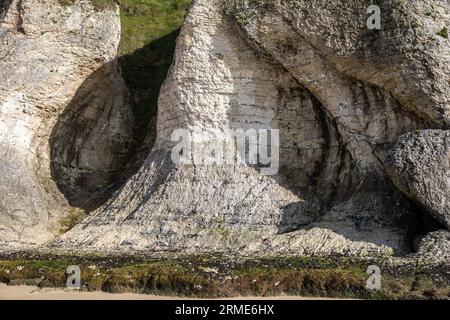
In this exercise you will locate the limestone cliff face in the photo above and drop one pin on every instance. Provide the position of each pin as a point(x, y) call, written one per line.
point(340, 95)
point(407, 57)
point(63, 113)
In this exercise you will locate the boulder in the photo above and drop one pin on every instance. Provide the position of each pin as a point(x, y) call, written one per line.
point(64, 120)
point(419, 165)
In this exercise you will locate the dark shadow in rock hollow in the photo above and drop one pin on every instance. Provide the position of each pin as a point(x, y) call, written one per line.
point(144, 72)
point(354, 202)
point(99, 141)
point(92, 140)
point(3, 5)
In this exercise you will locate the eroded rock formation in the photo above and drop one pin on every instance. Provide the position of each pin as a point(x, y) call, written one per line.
point(63, 113)
point(340, 94)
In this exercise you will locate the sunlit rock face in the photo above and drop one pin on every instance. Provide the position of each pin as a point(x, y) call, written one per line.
point(339, 107)
point(419, 164)
point(57, 64)
point(344, 100)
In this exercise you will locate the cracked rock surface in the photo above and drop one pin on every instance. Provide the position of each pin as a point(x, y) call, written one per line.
point(435, 244)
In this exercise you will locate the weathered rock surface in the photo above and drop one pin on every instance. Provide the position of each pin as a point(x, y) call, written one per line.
point(435, 245)
point(419, 165)
point(340, 94)
point(47, 52)
point(407, 57)
point(277, 65)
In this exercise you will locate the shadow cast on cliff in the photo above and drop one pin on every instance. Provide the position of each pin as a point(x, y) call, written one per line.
point(107, 130)
point(144, 72)
point(91, 141)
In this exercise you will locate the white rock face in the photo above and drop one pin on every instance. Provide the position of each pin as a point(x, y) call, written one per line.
point(407, 57)
point(47, 52)
point(332, 194)
point(436, 244)
point(419, 165)
point(339, 94)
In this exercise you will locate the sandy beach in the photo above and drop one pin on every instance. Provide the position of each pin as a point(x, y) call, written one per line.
point(34, 293)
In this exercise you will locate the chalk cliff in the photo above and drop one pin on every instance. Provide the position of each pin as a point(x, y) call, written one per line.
point(340, 95)
point(363, 118)
point(64, 120)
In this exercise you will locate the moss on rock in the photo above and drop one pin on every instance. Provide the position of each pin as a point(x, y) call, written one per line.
point(217, 276)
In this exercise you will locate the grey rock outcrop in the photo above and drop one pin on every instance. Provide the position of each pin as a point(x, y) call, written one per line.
point(419, 165)
point(435, 245)
point(278, 64)
point(47, 52)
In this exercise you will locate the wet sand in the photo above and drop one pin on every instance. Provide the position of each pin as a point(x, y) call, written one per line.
point(34, 293)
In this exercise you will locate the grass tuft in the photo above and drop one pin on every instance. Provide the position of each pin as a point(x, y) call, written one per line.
point(443, 33)
point(74, 217)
